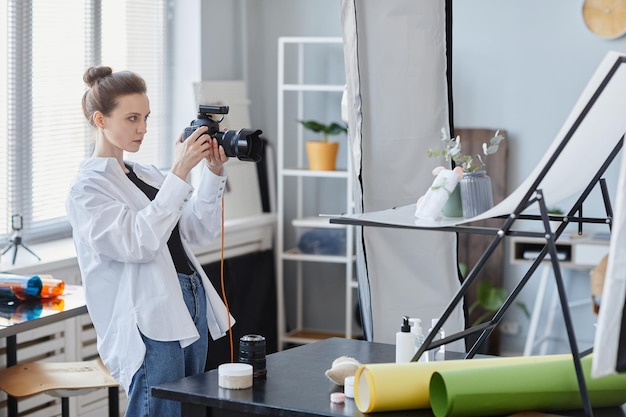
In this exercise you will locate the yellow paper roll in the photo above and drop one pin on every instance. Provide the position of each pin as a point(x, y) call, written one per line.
point(405, 386)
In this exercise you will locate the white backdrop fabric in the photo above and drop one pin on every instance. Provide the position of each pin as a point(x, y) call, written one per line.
point(395, 54)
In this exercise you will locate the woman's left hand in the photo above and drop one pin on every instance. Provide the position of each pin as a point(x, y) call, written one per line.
point(216, 157)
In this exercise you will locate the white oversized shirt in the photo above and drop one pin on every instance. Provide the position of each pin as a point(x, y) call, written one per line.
point(128, 274)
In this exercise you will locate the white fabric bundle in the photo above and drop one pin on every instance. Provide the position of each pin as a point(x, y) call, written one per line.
point(430, 205)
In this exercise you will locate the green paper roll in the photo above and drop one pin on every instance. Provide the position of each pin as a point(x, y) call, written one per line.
point(405, 386)
point(548, 386)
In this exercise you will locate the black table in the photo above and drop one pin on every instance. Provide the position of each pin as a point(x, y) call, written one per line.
point(295, 385)
point(20, 317)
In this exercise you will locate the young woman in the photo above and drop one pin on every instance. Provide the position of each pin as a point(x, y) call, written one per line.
point(149, 299)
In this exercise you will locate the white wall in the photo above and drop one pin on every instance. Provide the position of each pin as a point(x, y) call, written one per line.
point(240, 41)
point(521, 65)
point(518, 65)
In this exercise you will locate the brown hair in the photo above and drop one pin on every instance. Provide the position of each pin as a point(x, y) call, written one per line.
point(105, 86)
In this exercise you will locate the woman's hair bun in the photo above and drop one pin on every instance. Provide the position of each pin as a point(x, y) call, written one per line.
point(94, 74)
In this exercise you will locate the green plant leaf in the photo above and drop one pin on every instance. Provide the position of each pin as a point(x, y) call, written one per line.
point(462, 269)
point(490, 297)
point(555, 210)
point(313, 125)
point(451, 150)
point(335, 129)
point(329, 129)
point(496, 139)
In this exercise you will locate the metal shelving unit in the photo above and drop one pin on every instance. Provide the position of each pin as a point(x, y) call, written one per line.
point(291, 168)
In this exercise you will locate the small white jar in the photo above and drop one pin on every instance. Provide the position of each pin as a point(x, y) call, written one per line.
point(235, 375)
point(348, 386)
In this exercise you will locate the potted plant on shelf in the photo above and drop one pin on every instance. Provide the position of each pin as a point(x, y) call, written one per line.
point(474, 189)
point(323, 154)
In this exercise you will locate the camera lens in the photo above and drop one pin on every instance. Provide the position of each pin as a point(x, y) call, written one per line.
point(252, 351)
point(244, 144)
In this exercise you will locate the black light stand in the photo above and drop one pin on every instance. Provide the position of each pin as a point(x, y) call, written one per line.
point(16, 239)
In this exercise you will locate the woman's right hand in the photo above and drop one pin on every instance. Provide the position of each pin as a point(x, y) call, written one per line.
point(189, 152)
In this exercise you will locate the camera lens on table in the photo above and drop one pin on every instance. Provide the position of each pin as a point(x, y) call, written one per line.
point(252, 351)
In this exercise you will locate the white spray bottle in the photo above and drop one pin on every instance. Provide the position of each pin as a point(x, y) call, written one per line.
point(405, 342)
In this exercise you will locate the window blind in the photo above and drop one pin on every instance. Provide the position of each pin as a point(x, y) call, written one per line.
point(135, 40)
point(43, 134)
point(4, 183)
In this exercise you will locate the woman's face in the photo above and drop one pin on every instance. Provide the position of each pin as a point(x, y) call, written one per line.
point(126, 126)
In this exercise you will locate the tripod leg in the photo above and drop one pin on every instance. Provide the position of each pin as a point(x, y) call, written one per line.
point(14, 254)
point(31, 252)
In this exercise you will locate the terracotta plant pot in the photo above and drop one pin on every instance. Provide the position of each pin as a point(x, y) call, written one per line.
point(322, 155)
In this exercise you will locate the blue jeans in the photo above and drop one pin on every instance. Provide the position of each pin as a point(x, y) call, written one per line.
point(167, 361)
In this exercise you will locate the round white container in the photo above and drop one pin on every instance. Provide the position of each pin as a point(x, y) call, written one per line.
point(348, 386)
point(235, 375)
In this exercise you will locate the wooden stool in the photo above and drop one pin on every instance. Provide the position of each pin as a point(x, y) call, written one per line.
point(60, 379)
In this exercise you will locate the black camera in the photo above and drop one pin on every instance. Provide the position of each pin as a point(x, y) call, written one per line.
point(244, 144)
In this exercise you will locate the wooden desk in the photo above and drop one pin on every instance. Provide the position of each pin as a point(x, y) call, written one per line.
point(295, 386)
point(70, 304)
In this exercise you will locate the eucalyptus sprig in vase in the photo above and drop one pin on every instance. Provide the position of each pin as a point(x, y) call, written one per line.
point(323, 154)
point(474, 190)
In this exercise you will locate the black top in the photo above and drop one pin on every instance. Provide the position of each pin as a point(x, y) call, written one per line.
point(175, 245)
